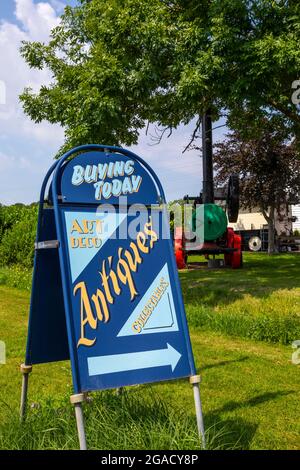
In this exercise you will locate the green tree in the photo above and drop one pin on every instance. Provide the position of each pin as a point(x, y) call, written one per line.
point(118, 64)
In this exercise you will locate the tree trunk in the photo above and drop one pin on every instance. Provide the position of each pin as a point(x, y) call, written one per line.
point(271, 231)
point(270, 218)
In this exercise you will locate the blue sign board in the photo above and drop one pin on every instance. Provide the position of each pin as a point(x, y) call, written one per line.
point(110, 283)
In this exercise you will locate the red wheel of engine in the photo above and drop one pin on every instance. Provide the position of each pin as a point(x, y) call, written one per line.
point(237, 255)
point(234, 259)
point(180, 254)
point(228, 256)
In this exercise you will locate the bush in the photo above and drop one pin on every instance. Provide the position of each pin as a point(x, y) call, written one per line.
point(10, 215)
point(18, 230)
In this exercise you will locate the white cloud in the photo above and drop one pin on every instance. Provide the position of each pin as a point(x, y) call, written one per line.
point(37, 20)
point(25, 145)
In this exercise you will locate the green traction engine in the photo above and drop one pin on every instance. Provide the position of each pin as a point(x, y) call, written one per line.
point(209, 234)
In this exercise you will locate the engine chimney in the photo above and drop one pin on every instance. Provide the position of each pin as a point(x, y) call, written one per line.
point(207, 159)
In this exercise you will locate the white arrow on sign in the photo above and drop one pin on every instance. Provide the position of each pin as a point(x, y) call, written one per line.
point(100, 365)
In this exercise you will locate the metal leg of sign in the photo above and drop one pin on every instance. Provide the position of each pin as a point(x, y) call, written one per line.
point(25, 370)
point(119, 391)
point(77, 400)
point(195, 381)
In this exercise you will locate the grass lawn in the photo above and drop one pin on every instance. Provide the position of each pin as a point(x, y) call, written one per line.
point(260, 301)
point(250, 389)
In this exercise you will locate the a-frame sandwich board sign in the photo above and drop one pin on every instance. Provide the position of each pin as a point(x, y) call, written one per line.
point(105, 291)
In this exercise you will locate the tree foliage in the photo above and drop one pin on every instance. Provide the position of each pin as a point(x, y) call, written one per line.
point(118, 64)
point(268, 166)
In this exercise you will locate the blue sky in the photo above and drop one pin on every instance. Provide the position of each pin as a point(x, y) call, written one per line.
point(27, 149)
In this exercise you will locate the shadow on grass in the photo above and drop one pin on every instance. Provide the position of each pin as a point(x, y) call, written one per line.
point(229, 434)
point(225, 432)
point(222, 363)
point(258, 400)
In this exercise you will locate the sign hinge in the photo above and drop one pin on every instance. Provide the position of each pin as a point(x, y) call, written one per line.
point(47, 244)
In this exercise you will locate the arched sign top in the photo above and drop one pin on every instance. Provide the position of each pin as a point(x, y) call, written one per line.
point(102, 175)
